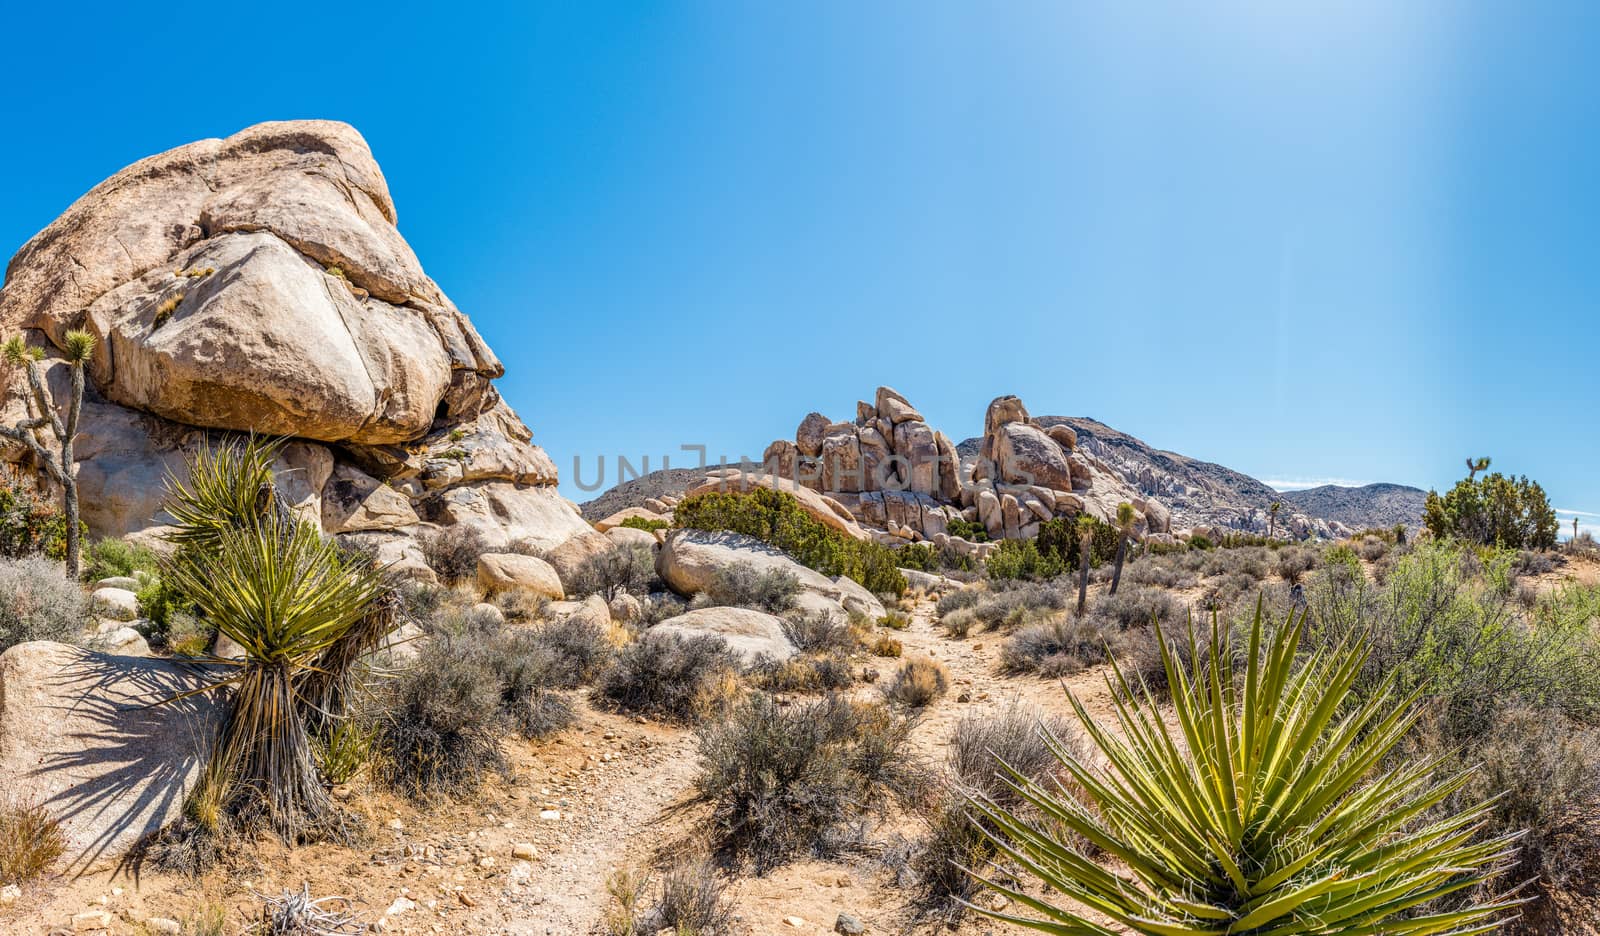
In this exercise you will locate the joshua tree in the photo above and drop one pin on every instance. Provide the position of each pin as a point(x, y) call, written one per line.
point(1086, 525)
point(1272, 517)
point(42, 415)
point(1125, 521)
point(1475, 465)
point(1574, 527)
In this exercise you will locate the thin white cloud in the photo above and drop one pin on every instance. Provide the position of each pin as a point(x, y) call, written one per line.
point(1301, 484)
point(1576, 513)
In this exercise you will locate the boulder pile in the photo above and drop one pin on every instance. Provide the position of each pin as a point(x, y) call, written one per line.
point(259, 283)
point(896, 477)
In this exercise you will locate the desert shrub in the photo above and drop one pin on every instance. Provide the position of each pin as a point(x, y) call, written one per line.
point(29, 526)
point(620, 570)
point(818, 632)
point(1022, 559)
point(1058, 537)
point(1293, 562)
point(786, 780)
point(186, 635)
point(956, 600)
point(1371, 548)
point(1584, 545)
point(653, 609)
point(520, 605)
point(969, 530)
point(115, 557)
point(647, 524)
point(744, 586)
point(1155, 569)
point(1200, 541)
point(920, 556)
point(776, 517)
point(1495, 510)
point(917, 682)
point(669, 676)
point(39, 602)
point(30, 842)
point(1015, 736)
point(1061, 646)
point(885, 646)
point(1534, 562)
point(1225, 591)
point(806, 672)
point(578, 650)
point(446, 712)
point(452, 552)
point(1546, 771)
point(1136, 607)
point(1009, 606)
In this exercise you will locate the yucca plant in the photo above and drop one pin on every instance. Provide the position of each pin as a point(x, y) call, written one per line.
point(302, 610)
point(283, 594)
point(1256, 812)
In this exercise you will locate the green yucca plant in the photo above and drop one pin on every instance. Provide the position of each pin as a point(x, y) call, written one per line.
point(303, 612)
point(1257, 814)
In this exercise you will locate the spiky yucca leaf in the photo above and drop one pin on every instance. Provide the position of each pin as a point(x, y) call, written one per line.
point(228, 486)
point(1258, 813)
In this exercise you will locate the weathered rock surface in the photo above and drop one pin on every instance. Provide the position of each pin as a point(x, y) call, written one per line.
point(690, 562)
point(258, 283)
point(751, 635)
point(504, 571)
point(79, 736)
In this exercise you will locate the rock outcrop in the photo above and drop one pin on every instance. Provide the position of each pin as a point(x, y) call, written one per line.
point(259, 283)
point(83, 735)
point(752, 635)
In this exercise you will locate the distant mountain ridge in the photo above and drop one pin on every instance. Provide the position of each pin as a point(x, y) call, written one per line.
point(1198, 493)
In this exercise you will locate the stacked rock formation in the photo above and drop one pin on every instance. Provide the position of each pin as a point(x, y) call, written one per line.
point(259, 284)
point(904, 481)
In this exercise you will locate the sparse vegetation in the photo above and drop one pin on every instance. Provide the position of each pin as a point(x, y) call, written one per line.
point(776, 518)
point(616, 571)
point(744, 586)
point(38, 602)
point(30, 843)
point(669, 676)
point(452, 552)
point(784, 781)
point(43, 415)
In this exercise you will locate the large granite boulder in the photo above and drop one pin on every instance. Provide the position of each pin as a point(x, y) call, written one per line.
point(259, 283)
point(691, 561)
point(82, 736)
point(751, 635)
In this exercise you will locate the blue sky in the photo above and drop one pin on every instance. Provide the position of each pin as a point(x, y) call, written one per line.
point(1347, 241)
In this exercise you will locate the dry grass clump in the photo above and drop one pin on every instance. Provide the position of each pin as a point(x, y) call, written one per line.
point(885, 646)
point(688, 897)
point(917, 682)
point(30, 842)
point(788, 780)
point(810, 672)
point(452, 552)
point(669, 676)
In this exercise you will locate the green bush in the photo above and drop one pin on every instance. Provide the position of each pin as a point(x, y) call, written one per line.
point(112, 557)
point(1512, 513)
point(919, 556)
point(1022, 559)
point(30, 526)
point(647, 524)
point(969, 530)
point(1058, 537)
point(776, 518)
